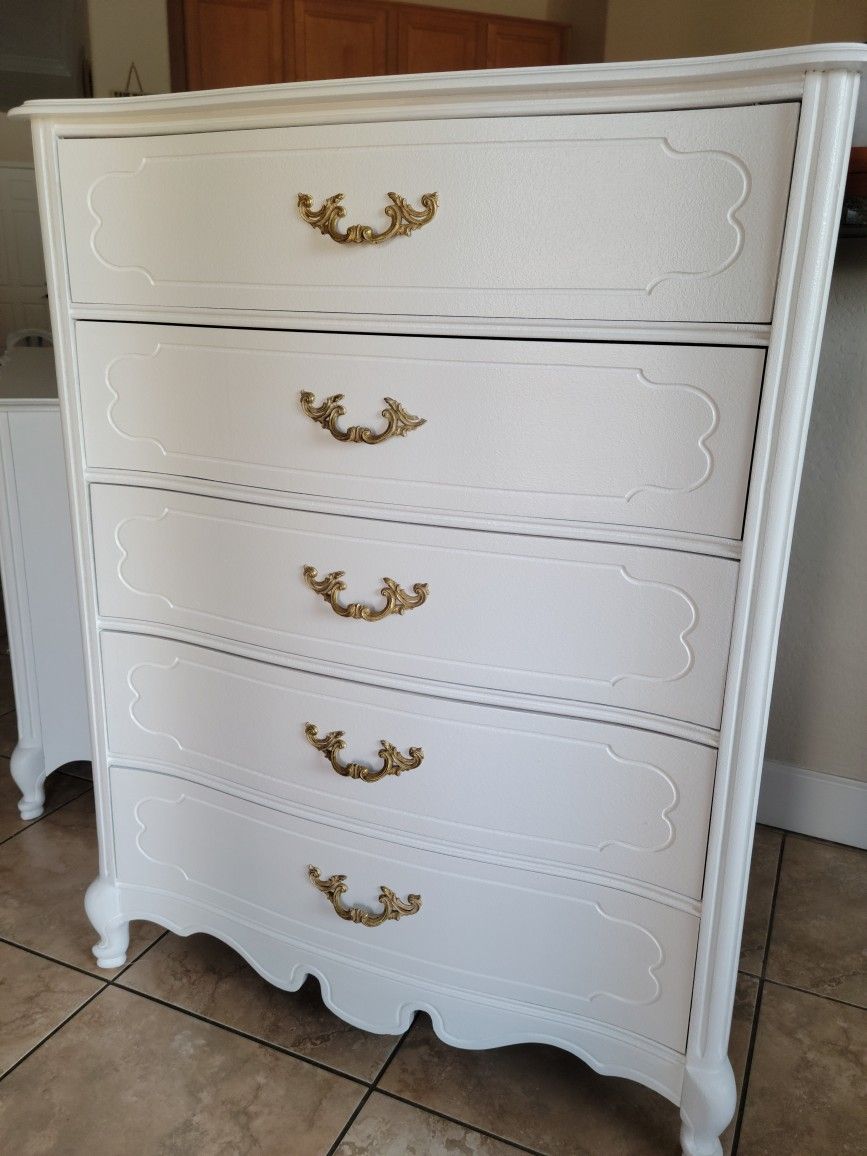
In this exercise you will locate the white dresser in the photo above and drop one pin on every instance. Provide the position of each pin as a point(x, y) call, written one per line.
point(36, 562)
point(432, 549)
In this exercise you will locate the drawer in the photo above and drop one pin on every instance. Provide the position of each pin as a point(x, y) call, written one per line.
point(657, 436)
point(481, 929)
point(509, 785)
point(672, 216)
point(621, 625)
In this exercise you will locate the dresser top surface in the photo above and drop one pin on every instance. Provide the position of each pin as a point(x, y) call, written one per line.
point(687, 82)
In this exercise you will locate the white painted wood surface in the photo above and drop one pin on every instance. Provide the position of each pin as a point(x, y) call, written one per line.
point(636, 978)
point(695, 196)
point(823, 82)
point(618, 625)
point(565, 795)
point(42, 619)
point(629, 434)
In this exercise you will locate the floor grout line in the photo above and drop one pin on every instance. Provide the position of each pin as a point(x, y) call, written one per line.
point(53, 959)
point(124, 968)
point(376, 1087)
point(815, 994)
point(462, 1123)
point(754, 1030)
point(371, 1089)
point(341, 1135)
point(773, 912)
point(52, 1033)
point(49, 811)
point(279, 1048)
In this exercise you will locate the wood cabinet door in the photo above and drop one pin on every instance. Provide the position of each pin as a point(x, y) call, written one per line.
point(335, 38)
point(230, 43)
point(438, 40)
point(523, 44)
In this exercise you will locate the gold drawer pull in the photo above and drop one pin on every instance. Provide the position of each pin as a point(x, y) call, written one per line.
point(392, 908)
point(398, 422)
point(393, 762)
point(396, 598)
point(404, 218)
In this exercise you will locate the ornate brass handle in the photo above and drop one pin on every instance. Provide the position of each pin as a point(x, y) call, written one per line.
point(396, 598)
point(398, 422)
point(392, 908)
point(393, 762)
point(404, 218)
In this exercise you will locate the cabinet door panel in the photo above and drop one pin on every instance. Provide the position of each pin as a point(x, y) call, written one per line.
point(516, 44)
point(231, 43)
point(438, 41)
point(335, 39)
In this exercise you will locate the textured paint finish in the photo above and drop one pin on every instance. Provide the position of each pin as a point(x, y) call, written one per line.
point(705, 247)
point(498, 785)
point(628, 434)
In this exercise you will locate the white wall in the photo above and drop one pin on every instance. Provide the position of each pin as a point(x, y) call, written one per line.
point(648, 29)
point(819, 712)
point(816, 770)
point(122, 31)
point(15, 140)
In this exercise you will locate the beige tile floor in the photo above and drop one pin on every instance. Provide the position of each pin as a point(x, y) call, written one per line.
point(186, 1051)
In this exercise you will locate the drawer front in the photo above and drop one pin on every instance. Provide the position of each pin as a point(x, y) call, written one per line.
point(507, 934)
point(632, 217)
point(566, 793)
point(621, 625)
point(645, 435)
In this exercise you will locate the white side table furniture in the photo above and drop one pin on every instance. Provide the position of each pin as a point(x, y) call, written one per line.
point(39, 578)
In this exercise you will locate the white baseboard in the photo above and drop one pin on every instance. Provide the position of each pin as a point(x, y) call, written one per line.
point(812, 803)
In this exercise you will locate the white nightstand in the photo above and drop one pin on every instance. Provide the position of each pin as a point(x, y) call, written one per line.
point(38, 577)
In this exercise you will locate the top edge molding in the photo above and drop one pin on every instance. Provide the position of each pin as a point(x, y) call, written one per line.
point(774, 74)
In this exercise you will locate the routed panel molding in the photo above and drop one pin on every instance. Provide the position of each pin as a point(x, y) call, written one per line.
point(575, 415)
point(673, 263)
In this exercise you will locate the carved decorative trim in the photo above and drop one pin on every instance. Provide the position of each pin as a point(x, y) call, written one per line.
point(404, 218)
point(335, 887)
point(396, 598)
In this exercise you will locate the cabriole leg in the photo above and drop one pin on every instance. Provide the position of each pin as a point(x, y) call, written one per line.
point(708, 1104)
point(28, 770)
point(102, 904)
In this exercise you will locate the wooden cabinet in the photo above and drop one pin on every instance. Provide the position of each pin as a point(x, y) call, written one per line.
point(522, 44)
point(230, 43)
point(438, 40)
point(336, 38)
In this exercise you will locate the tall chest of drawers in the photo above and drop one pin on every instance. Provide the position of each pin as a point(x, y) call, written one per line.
point(432, 542)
